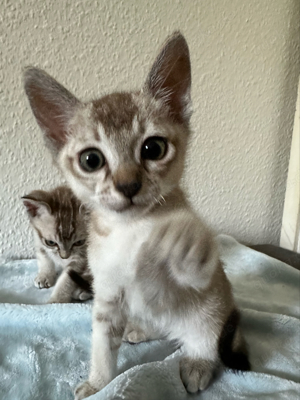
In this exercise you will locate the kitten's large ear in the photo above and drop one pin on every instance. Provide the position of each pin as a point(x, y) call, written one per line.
point(53, 106)
point(170, 78)
point(36, 203)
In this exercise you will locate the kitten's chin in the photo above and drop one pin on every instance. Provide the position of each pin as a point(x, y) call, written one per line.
point(131, 209)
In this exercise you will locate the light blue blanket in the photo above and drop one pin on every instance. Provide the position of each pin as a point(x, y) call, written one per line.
point(45, 349)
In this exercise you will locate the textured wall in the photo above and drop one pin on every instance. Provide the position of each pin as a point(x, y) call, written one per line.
point(245, 65)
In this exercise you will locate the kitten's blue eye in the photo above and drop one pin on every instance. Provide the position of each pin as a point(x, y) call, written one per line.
point(79, 243)
point(50, 243)
point(154, 148)
point(91, 160)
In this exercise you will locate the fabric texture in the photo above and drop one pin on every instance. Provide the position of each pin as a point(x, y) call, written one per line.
point(45, 348)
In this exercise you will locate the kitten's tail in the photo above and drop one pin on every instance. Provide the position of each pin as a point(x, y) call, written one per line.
point(232, 347)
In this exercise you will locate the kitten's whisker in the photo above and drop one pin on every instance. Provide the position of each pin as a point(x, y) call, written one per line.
point(156, 200)
point(161, 200)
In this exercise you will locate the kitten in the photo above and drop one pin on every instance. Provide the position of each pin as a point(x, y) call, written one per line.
point(60, 232)
point(151, 256)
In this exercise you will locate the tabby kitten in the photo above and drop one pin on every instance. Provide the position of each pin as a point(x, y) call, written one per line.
point(151, 255)
point(60, 231)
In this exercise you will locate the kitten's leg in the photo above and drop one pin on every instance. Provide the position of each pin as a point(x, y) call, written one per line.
point(108, 329)
point(66, 289)
point(137, 333)
point(196, 373)
point(63, 290)
point(200, 358)
point(83, 282)
point(47, 275)
point(134, 334)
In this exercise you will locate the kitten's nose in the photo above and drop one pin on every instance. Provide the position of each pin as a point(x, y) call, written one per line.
point(129, 189)
point(64, 254)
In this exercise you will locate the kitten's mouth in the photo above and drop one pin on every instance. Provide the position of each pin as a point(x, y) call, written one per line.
point(128, 206)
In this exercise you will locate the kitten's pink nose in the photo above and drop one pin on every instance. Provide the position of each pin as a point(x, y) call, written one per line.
point(64, 254)
point(127, 180)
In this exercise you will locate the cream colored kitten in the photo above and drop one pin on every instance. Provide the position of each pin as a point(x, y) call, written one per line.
point(151, 255)
point(60, 232)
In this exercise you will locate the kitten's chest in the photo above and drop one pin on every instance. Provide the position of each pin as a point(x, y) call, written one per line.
point(113, 257)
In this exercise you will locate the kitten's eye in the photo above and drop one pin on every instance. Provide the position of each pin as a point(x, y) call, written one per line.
point(154, 148)
point(79, 243)
point(91, 160)
point(50, 243)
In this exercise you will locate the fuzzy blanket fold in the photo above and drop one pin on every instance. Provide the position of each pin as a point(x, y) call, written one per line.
point(45, 349)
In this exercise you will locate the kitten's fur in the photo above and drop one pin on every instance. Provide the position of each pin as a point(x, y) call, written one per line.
point(151, 255)
point(58, 217)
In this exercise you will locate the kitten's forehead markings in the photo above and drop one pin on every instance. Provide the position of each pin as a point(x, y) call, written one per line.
point(66, 215)
point(135, 125)
point(101, 133)
point(107, 146)
point(150, 128)
point(83, 123)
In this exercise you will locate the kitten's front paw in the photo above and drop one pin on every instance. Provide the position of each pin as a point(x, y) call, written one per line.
point(44, 281)
point(196, 374)
point(84, 390)
point(82, 295)
point(135, 336)
point(85, 295)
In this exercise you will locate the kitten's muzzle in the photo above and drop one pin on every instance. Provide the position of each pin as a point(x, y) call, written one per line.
point(64, 254)
point(129, 189)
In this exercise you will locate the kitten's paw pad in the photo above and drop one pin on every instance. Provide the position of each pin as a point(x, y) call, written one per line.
point(135, 336)
point(85, 295)
point(82, 295)
point(196, 374)
point(44, 281)
point(84, 390)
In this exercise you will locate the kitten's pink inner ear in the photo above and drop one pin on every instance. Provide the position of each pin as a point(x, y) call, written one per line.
point(53, 106)
point(32, 208)
point(170, 77)
point(35, 207)
point(49, 118)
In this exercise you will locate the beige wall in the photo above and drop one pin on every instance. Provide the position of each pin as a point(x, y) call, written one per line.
point(290, 229)
point(245, 65)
